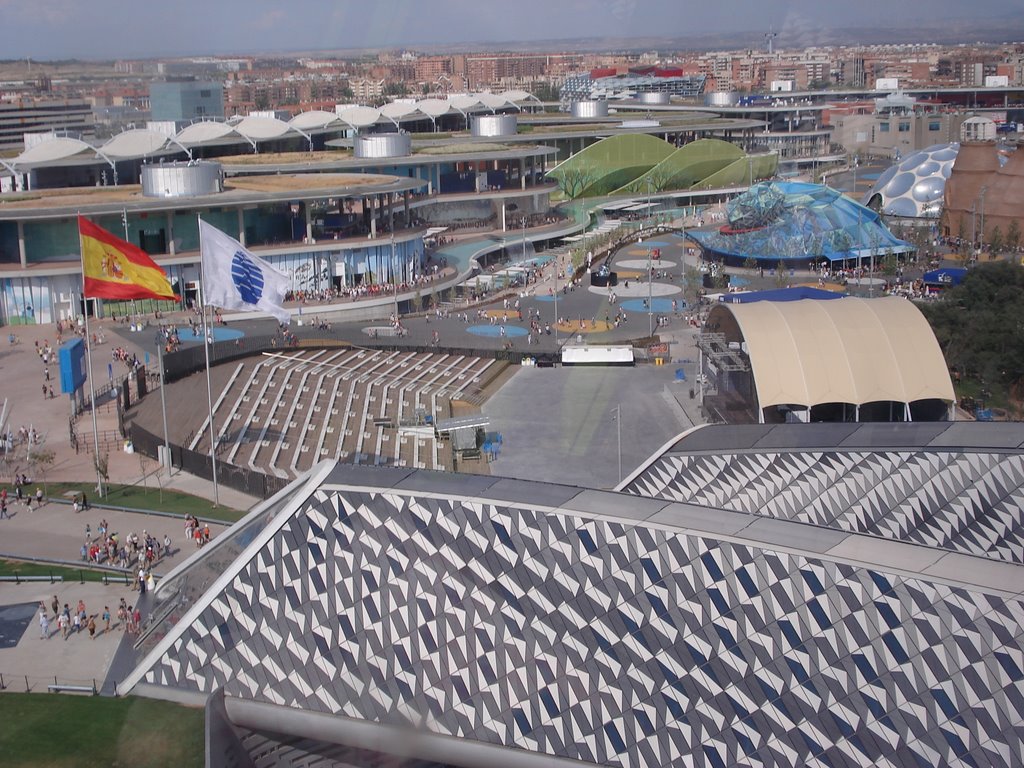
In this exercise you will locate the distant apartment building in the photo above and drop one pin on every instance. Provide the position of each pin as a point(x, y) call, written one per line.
point(605, 83)
point(28, 116)
point(186, 100)
point(366, 90)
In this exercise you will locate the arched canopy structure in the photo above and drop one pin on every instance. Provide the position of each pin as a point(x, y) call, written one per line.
point(856, 351)
point(143, 142)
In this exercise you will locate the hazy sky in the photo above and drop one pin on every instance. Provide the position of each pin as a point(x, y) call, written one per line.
point(48, 29)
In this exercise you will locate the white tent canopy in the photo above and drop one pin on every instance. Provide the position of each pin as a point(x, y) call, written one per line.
point(51, 150)
point(205, 131)
point(137, 142)
point(314, 119)
point(262, 128)
point(848, 350)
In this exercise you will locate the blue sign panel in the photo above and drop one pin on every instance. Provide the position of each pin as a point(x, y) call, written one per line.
point(72, 366)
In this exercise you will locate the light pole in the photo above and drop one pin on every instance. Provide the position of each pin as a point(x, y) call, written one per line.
point(554, 292)
point(394, 277)
point(163, 398)
point(617, 410)
point(650, 271)
point(983, 191)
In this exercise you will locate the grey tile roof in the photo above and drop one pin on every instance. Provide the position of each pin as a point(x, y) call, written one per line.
point(599, 627)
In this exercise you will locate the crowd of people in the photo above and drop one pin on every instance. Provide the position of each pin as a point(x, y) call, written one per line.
point(125, 552)
point(77, 621)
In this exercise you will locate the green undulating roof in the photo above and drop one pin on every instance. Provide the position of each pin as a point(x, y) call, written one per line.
point(745, 170)
point(686, 166)
point(610, 164)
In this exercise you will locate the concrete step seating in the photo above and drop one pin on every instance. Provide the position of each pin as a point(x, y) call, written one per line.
point(283, 412)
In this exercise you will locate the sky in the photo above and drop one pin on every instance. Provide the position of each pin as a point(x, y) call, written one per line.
point(109, 29)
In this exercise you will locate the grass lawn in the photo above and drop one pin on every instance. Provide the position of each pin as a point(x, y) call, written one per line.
point(12, 567)
point(139, 497)
point(62, 730)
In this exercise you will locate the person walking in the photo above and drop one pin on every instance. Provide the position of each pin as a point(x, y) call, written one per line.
point(106, 619)
point(3, 509)
point(55, 604)
point(92, 627)
point(62, 622)
point(44, 623)
point(39, 498)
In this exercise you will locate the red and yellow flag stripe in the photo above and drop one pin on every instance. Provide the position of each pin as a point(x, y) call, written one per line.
point(113, 268)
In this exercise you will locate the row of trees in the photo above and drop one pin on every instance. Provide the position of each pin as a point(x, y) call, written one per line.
point(980, 326)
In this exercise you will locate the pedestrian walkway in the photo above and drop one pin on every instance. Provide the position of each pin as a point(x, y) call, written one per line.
point(56, 532)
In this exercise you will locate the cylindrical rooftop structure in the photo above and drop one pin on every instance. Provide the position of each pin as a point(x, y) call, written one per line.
point(653, 97)
point(375, 146)
point(590, 108)
point(720, 99)
point(184, 179)
point(494, 125)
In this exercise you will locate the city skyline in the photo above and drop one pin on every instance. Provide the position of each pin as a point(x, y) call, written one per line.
point(60, 29)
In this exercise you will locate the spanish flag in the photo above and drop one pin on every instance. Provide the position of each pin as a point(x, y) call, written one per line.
point(113, 268)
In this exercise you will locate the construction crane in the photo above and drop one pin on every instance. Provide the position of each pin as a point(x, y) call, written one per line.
point(769, 37)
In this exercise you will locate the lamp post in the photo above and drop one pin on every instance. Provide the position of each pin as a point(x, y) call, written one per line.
point(394, 277)
point(617, 410)
point(650, 272)
point(163, 398)
point(982, 193)
point(554, 292)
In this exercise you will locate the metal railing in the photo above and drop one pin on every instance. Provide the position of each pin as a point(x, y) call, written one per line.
point(35, 683)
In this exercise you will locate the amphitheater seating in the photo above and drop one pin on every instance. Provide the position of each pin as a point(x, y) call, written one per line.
point(282, 412)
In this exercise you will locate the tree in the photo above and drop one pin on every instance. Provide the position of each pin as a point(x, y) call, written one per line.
point(693, 281)
point(996, 242)
point(573, 179)
point(41, 460)
point(102, 465)
point(1013, 236)
point(547, 92)
point(890, 264)
point(750, 263)
point(781, 274)
point(347, 93)
point(978, 325)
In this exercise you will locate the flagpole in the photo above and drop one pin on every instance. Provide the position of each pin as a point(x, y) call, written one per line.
point(92, 386)
point(206, 350)
point(124, 222)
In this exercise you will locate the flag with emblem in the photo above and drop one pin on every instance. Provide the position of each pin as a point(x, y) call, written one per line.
point(234, 278)
point(113, 268)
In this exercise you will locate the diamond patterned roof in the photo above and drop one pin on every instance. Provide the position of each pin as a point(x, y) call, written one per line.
point(609, 629)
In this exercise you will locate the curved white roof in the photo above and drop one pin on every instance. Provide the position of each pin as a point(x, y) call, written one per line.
point(136, 142)
point(208, 130)
point(396, 110)
point(141, 142)
point(847, 350)
point(462, 102)
point(515, 96)
point(434, 107)
point(360, 117)
point(261, 128)
point(494, 100)
point(315, 118)
point(49, 150)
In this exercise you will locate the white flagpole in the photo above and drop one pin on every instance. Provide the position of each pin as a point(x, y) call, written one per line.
point(124, 222)
point(92, 386)
point(206, 350)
